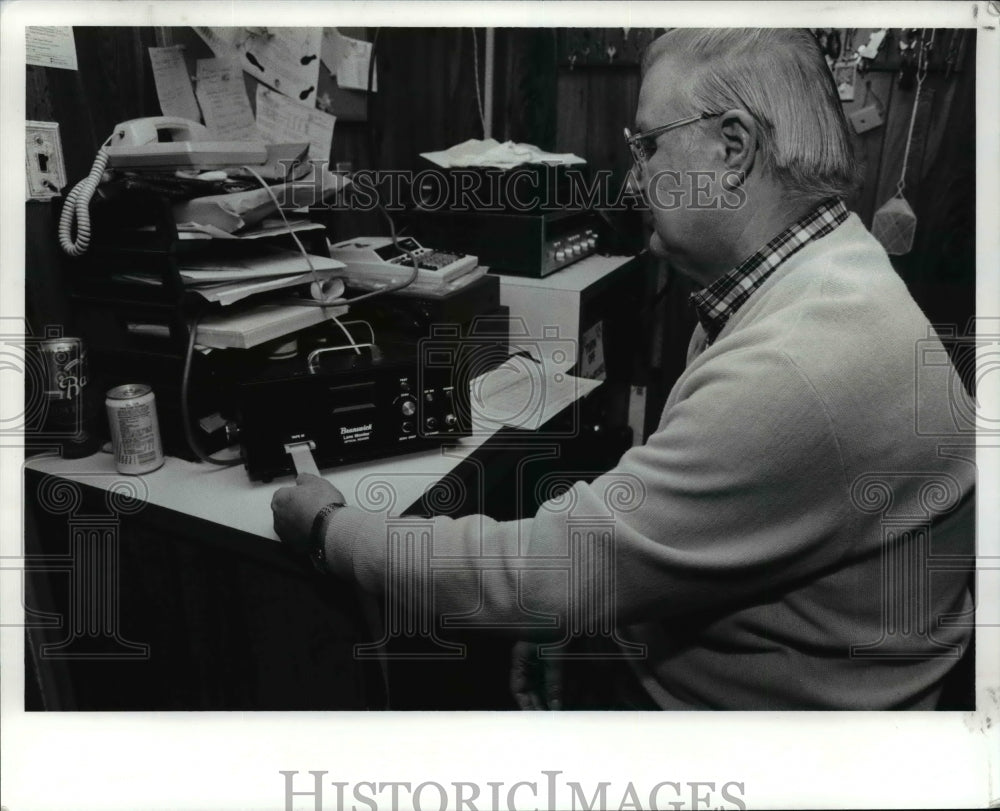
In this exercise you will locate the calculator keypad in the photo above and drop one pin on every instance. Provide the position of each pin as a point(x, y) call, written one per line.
point(428, 259)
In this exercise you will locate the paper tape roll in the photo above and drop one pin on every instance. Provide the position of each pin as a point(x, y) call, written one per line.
point(328, 291)
point(303, 459)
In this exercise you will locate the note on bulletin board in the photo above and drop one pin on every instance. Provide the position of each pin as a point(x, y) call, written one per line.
point(352, 69)
point(330, 49)
point(224, 42)
point(173, 83)
point(283, 121)
point(285, 59)
point(51, 46)
point(200, 43)
point(224, 102)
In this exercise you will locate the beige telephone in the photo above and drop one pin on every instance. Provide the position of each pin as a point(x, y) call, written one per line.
point(166, 142)
point(160, 142)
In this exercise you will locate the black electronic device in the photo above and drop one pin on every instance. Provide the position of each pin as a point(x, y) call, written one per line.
point(521, 244)
point(414, 316)
point(354, 403)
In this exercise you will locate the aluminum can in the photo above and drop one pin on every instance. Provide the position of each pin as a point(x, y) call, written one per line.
point(65, 365)
point(135, 429)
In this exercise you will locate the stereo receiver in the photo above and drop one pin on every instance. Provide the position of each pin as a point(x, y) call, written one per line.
point(522, 244)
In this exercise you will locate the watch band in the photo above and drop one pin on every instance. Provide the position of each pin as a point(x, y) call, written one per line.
point(317, 535)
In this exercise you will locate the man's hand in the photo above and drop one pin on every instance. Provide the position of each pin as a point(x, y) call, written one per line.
point(295, 508)
point(535, 683)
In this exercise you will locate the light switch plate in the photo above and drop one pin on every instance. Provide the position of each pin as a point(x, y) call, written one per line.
point(45, 169)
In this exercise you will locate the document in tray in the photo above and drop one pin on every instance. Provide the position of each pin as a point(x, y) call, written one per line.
point(226, 293)
point(268, 265)
point(262, 323)
point(523, 393)
point(267, 228)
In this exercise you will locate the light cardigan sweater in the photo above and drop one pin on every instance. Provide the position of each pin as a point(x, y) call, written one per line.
point(750, 541)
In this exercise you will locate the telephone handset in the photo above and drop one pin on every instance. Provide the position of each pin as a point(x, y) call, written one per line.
point(166, 142)
point(159, 142)
point(141, 131)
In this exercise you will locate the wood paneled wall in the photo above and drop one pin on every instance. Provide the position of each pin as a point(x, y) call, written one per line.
point(427, 101)
point(113, 83)
point(594, 102)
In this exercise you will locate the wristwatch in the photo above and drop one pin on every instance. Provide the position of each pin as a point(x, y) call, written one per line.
point(317, 535)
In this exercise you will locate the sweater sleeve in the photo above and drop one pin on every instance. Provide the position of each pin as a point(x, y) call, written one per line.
point(740, 491)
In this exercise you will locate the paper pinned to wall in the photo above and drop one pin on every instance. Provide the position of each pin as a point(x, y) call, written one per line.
point(173, 84)
point(286, 59)
point(224, 102)
point(352, 69)
point(281, 120)
point(870, 49)
point(224, 42)
point(51, 46)
point(331, 50)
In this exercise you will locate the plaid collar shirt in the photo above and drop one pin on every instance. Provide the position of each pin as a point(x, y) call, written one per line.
point(717, 303)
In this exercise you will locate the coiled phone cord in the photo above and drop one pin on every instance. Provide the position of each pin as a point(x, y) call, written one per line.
point(76, 208)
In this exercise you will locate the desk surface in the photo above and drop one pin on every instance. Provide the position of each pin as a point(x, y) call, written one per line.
point(228, 497)
point(573, 278)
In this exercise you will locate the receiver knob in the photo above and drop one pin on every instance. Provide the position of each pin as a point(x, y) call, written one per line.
point(408, 407)
point(431, 423)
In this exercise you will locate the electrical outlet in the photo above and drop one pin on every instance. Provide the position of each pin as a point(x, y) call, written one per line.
point(46, 171)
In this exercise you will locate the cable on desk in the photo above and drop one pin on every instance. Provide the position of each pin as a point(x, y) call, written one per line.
point(288, 225)
point(371, 332)
point(368, 98)
point(392, 288)
point(350, 338)
point(475, 71)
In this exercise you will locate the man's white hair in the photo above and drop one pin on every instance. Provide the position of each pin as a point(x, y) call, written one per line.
point(780, 77)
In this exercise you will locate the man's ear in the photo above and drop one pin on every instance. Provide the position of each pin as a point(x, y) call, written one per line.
point(739, 139)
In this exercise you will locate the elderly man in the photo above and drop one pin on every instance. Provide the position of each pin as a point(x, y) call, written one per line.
point(774, 551)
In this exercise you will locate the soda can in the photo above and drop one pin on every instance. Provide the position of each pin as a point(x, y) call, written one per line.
point(65, 365)
point(135, 430)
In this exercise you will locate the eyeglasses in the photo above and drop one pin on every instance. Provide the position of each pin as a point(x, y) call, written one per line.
point(638, 143)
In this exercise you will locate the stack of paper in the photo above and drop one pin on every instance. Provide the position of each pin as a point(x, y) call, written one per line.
point(229, 280)
point(259, 324)
point(492, 153)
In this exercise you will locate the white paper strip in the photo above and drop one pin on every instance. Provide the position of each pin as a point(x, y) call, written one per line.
point(173, 84)
point(283, 121)
point(224, 103)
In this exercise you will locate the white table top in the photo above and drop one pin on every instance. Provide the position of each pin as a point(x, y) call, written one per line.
point(228, 497)
point(573, 278)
